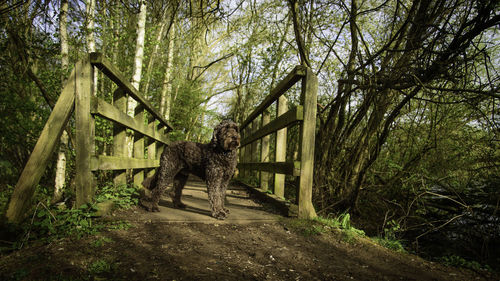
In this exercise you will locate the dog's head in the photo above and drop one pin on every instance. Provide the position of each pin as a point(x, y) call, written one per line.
point(226, 136)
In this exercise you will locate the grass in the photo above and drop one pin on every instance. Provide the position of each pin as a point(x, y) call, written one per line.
point(321, 225)
point(391, 244)
point(101, 266)
point(101, 242)
point(348, 232)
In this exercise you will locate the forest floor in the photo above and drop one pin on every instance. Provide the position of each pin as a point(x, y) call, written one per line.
point(284, 249)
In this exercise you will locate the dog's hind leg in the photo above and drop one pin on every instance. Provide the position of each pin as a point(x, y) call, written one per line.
point(179, 181)
point(169, 167)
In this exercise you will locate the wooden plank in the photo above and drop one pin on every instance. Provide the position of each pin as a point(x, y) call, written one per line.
point(22, 195)
point(307, 137)
point(84, 134)
point(284, 168)
point(279, 179)
point(110, 112)
point(99, 61)
point(138, 175)
point(119, 135)
point(295, 75)
point(264, 151)
point(121, 163)
point(283, 121)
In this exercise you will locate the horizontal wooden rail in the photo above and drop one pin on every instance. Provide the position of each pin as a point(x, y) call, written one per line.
point(287, 168)
point(297, 73)
point(101, 108)
point(121, 163)
point(283, 121)
point(99, 61)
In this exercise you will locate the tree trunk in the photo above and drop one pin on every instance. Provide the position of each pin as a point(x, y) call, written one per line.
point(61, 154)
point(90, 36)
point(166, 91)
point(138, 58)
point(164, 30)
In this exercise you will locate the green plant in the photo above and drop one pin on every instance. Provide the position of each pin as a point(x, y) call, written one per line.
point(101, 241)
point(48, 224)
point(457, 261)
point(391, 230)
point(343, 222)
point(119, 225)
point(334, 223)
point(392, 244)
point(124, 196)
point(320, 225)
point(101, 266)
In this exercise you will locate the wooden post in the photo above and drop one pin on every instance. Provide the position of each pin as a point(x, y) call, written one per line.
point(119, 136)
point(152, 145)
point(264, 151)
point(84, 143)
point(307, 137)
point(279, 179)
point(247, 155)
point(254, 156)
point(20, 200)
point(160, 146)
point(139, 145)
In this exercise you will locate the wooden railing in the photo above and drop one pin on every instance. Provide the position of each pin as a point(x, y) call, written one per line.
point(304, 115)
point(148, 124)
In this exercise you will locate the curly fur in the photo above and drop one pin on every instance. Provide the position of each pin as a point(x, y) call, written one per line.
point(213, 162)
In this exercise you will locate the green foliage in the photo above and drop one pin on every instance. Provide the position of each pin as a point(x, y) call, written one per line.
point(321, 225)
point(51, 223)
point(389, 239)
point(392, 244)
point(458, 261)
point(5, 194)
point(124, 196)
point(20, 274)
point(119, 225)
point(101, 242)
point(101, 266)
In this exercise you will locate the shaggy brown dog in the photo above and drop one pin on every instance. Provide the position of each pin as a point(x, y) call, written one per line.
point(213, 162)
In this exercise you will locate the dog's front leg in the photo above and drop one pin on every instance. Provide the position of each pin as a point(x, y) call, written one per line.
point(215, 197)
point(223, 196)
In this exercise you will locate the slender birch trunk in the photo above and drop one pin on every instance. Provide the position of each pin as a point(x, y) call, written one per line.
point(139, 57)
point(166, 91)
point(61, 154)
point(159, 35)
point(90, 35)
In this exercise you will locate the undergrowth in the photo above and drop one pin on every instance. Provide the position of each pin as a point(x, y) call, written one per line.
point(458, 261)
point(348, 232)
point(50, 222)
point(321, 225)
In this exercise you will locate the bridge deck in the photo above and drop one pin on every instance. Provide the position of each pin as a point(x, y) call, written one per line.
point(242, 208)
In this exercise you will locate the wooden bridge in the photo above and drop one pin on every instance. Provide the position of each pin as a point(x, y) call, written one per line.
point(150, 137)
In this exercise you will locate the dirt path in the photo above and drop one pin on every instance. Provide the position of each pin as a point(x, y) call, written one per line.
point(155, 249)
